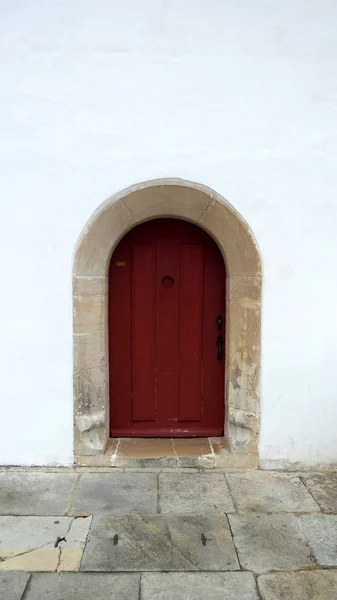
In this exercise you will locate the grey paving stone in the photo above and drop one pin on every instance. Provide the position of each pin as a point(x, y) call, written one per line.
point(84, 586)
point(159, 543)
point(269, 542)
point(300, 585)
point(115, 493)
point(194, 493)
point(12, 585)
point(323, 487)
point(23, 493)
point(27, 533)
point(260, 491)
point(321, 533)
point(203, 586)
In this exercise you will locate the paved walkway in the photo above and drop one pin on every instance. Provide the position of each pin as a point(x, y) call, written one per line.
point(167, 535)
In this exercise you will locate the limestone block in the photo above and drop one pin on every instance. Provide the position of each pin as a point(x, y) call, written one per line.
point(167, 200)
point(91, 350)
point(100, 236)
point(243, 332)
point(234, 238)
point(89, 313)
point(243, 288)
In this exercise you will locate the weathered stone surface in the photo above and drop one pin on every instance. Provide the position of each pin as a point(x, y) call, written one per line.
point(23, 493)
point(71, 549)
point(243, 377)
point(195, 452)
point(90, 350)
point(28, 543)
point(83, 586)
point(161, 200)
point(194, 493)
point(233, 236)
point(192, 586)
point(323, 487)
point(97, 241)
point(243, 288)
point(269, 542)
point(301, 585)
point(321, 533)
point(146, 452)
point(42, 543)
point(235, 460)
point(260, 491)
point(12, 585)
point(115, 493)
point(88, 313)
point(159, 543)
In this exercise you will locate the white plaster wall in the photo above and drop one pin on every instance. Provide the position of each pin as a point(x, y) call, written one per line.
point(237, 95)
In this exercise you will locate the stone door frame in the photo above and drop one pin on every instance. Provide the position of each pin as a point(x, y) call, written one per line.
point(202, 206)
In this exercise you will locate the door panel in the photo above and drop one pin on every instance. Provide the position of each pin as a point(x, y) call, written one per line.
point(166, 289)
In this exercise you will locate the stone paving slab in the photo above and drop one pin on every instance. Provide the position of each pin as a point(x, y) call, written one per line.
point(195, 586)
point(321, 533)
point(83, 586)
point(269, 542)
point(323, 487)
point(159, 543)
point(109, 493)
point(260, 491)
point(300, 585)
point(35, 543)
point(24, 493)
point(194, 493)
point(12, 585)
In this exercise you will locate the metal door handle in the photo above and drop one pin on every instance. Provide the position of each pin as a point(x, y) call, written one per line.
point(219, 339)
point(219, 343)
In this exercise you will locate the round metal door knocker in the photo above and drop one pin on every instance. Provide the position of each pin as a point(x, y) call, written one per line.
point(167, 281)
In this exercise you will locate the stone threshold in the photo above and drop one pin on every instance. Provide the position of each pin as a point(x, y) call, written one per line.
point(200, 453)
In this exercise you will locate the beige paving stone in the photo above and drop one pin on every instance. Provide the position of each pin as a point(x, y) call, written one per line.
point(194, 452)
point(261, 491)
point(70, 559)
point(183, 493)
point(42, 559)
point(146, 452)
point(301, 585)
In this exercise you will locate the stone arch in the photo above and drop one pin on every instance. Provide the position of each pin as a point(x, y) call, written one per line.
point(202, 206)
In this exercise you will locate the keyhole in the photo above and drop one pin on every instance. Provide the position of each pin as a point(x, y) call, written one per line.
point(167, 281)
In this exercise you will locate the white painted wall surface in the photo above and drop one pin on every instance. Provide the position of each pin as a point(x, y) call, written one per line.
point(238, 95)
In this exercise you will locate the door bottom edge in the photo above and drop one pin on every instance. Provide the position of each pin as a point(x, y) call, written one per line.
point(166, 433)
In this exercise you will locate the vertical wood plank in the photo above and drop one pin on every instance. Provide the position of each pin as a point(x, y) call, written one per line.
point(190, 331)
point(143, 310)
point(167, 366)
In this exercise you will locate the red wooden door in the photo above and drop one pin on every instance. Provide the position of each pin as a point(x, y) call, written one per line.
point(166, 290)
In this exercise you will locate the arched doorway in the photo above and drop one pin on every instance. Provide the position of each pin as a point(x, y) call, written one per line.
point(166, 332)
point(202, 206)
